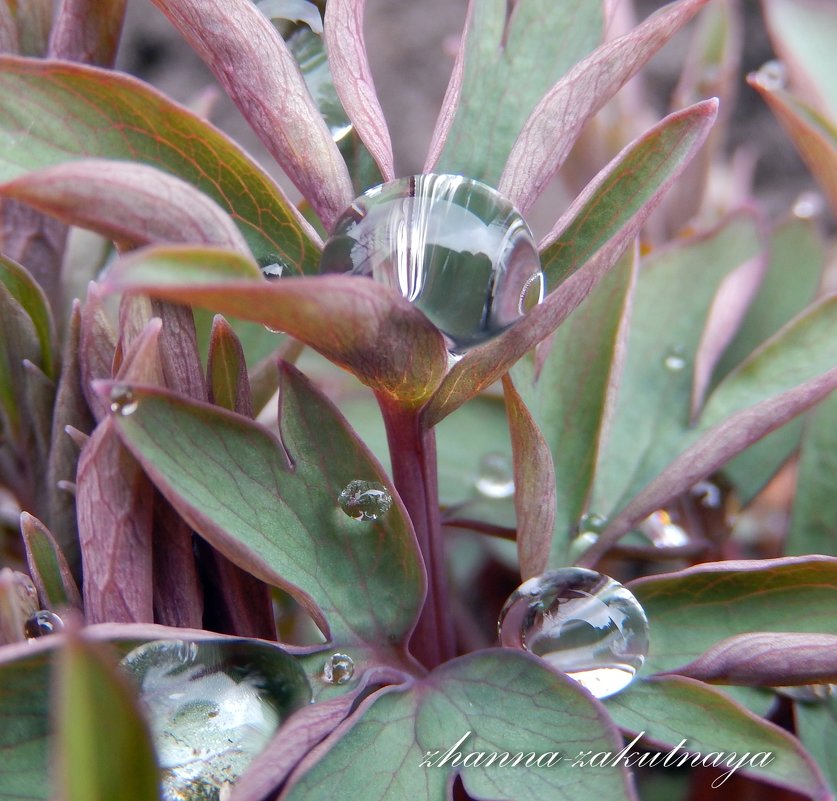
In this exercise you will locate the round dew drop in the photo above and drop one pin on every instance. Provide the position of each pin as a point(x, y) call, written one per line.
point(364, 500)
point(584, 623)
point(495, 477)
point(42, 623)
point(122, 400)
point(338, 669)
point(453, 247)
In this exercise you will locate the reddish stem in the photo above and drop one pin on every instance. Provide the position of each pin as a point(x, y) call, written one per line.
point(412, 450)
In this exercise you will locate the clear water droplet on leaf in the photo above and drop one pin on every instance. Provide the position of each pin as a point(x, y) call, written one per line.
point(212, 708)
point(272, 266)
point(495, 477)
point(772, 75)
point(591, 522)
point(338, 669)
point(584, 623)
point(122, 400)
point(40, 624)
point(662, 531)
point(365, 500)
point(675, 360)
point(452, 246)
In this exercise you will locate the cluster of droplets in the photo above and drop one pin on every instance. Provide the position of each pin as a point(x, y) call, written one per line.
point(581, 622)
point(453, 247)
point(212, 708)
point(364, 500)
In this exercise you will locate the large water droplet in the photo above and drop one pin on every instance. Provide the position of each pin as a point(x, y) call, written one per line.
point(365, 500)
point(495, 478)
point(212, 708)
point(584, 623)
point(452, 246)
point(122, 400)
point(338, 669)
point(42, 623)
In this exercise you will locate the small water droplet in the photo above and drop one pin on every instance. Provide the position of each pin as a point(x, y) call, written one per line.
point(584, 623)
point(122, 400)
point(591, 522)
point(773, 76)
point(365, 500)
point(675, 359)
point(809, 205)
point(452, 246)
point(662, 532)
point(496, 476)
point(272, 266)
point(212, 708)
point(338, 669)
point(42, 623)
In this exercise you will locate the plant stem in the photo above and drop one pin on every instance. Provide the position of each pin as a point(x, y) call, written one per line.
point(412, 449)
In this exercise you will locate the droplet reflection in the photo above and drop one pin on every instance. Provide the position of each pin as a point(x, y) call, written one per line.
point(452, 246)
point(584, 623)
point(495, 478)
point(365, 500)
point(42, 623)
point(212, 708)
point(338, 669)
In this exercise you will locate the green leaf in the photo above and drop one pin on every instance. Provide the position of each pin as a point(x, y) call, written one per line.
point(794, 271)
point(716, 601)
point(51, 112)
point(701, 720)
point(25, 712)
point(506, 63)
point(18, 343)
point(490, 701)
point(568, 399)
point(358, 324)
point(227, 370)
point(815, 505)
point(271, 506)
point(104, 750)
point(816, 726)
point(589, 238)
point(650, 417)
point(25, 290)
point(803, 33)
point(47, 565)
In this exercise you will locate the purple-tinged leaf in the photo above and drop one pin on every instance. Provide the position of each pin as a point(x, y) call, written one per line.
point(142, 363)
point(179, 355)
point(226, 370)
point(802, 32)
point(47, 565)
point(555, 124)
point(252, 62)
point(812, 526)
point(18, 600)
point(360, 325)
point(494, 701)
point(353, 79)
point(729, 307)
point(814, 135)
point(72, 420)
point(508, 58)
point(764, 659)
point(178, 591)
point(43, 123)
point(132, 204)
point(725, 599)
point(25, 290)
point(87, 31)
point(572, 392)
point(583, 246)
point(114, 502)
point(688, 717)
point(8, 30)
point(534, 482)
point(271, 505)
point(98, 343)
point(103, 747)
